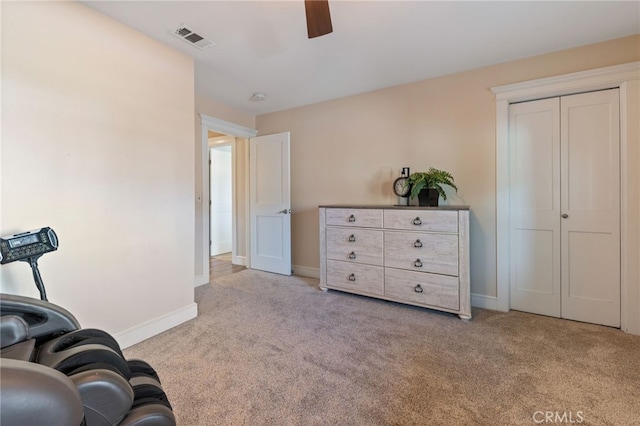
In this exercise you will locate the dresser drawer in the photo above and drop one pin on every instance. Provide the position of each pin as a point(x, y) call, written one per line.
point(422, 252)
point(421, 288)
point(355, 245)
point(368, 218)
point(354, 277)
point(422, 220)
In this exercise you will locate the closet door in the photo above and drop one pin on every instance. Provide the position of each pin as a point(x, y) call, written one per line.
point(564, 192)
point(534, 194)
point(590, 202)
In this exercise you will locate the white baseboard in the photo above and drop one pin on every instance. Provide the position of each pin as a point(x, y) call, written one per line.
point(239, 260)
point(200, 280)
point(305, 271)
point(156, 326)
point(486, 302)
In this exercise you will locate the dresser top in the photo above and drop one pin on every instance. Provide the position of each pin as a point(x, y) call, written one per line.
point(391, 207)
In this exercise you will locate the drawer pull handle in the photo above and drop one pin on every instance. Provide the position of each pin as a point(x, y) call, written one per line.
point(417, 244)
point(352, 238)
point(351, 277)
point(417, 263)
point(352, 218)
point(417, 221)
point(418, 289)
point(352, 255)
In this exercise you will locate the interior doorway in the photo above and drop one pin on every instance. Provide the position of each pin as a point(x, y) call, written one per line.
point(221, 195)
point(212, 128)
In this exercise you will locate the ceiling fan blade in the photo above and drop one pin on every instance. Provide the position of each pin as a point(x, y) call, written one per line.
point(318, 18)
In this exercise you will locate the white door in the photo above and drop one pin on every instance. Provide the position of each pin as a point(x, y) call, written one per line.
point(270, 203)
point(565, 207)
point(590, 202)
point(221, 200)
point(534, 182)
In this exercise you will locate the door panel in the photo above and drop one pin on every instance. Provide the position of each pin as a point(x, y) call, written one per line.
point(590, 271)
point(268, 239)
point(269, 176)
point(533, 156)
point(270, 204)
point(534, 205)
point(535, 262)
point(590, 191)
point(590, 156)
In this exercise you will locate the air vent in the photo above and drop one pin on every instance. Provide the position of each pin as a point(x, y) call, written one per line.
point(190, 36)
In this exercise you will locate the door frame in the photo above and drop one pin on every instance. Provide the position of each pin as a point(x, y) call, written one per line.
point(602, 78)
point(230, 129)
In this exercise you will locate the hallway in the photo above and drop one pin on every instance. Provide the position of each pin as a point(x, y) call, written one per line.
point(220, 266)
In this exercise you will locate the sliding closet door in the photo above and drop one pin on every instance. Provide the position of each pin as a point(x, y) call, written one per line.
point(534, 194)
point(590, 200)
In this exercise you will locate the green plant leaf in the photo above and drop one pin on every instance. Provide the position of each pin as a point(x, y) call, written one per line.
point(433, 178)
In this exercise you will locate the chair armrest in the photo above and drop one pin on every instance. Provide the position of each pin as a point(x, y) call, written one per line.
point(44, 318)
point(13, 329)
point(33, 392)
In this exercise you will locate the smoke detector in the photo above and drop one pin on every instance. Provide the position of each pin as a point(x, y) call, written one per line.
point(258, 97)
point(190, 36)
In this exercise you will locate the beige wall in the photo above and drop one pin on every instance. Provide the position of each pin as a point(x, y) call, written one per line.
point(97, 142)
point(223, 112)
point(349, 150)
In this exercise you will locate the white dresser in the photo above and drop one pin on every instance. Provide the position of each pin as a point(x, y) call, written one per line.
point(413, 255)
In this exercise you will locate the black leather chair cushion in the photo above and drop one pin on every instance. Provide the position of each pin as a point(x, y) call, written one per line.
point(82, 347)
point(33, 394)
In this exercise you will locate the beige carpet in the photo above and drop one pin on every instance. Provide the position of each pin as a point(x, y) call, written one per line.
point(273, 350)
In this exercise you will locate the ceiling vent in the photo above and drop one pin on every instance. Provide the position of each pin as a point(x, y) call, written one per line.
point(190, 36)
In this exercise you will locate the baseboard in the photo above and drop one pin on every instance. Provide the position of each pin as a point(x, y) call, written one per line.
point(156, 326)
point(200, 280)
point(305, 271)
point(486, 302)
point(239, 260)
point(220, 248)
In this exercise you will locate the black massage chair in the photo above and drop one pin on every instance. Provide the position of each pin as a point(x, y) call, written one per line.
point(54, 373)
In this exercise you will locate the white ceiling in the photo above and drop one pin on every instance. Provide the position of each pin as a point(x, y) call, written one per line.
point(262, 46)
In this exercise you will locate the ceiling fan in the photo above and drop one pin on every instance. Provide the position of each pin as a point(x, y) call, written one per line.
point(318, 18)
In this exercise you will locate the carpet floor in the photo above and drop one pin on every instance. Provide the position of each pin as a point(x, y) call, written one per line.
point(267, 349)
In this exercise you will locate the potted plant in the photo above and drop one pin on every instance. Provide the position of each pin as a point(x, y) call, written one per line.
point(427, 186)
